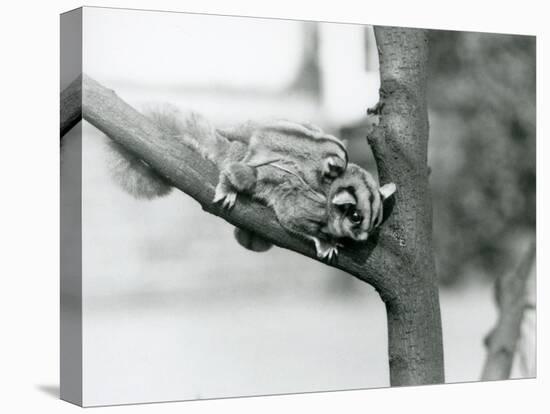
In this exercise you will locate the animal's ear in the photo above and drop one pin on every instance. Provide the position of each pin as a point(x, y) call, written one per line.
point(343, 197)
point(387, 190)
point(345, 143)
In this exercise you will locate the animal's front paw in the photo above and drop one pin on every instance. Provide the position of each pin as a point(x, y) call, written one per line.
point(325, 250)
point(333, 167)
point(330, 253)
point(227, 198)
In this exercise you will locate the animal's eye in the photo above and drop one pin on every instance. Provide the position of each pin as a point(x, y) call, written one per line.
point(344, 209)
point(356, 217)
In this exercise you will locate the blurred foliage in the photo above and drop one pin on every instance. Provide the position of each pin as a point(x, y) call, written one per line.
point(482, 150)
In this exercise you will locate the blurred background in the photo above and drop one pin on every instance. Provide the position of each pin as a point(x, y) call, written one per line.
point(174, 308)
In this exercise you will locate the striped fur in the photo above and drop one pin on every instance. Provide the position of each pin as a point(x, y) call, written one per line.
point(355, 205)
point(288, 166)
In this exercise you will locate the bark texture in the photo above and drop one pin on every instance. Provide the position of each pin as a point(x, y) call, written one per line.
point(400, 147)
point(397, 260)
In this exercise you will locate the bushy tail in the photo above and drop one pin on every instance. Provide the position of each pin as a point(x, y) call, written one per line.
point(192, 130)
point(137, 178)
point(134, 176)
point(251, 241)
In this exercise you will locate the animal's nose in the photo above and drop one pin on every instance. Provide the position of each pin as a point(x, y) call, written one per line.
point(363, 236)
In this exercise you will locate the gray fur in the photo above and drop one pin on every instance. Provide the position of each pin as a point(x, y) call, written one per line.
point(294, 165)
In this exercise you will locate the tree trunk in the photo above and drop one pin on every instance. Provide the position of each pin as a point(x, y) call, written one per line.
point(400, 146)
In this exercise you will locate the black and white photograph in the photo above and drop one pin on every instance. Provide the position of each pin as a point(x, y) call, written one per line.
point(259, 206)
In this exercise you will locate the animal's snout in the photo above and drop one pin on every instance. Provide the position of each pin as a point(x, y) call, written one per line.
point(362, 236)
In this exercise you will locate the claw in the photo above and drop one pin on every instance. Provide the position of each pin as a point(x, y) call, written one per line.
point(219, 195)
point(229, 201)
point(325, 250)
point(227, 198)
point(332, 252)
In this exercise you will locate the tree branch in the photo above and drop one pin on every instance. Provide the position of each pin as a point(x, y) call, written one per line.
point(511, 297)
point(197, 177)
